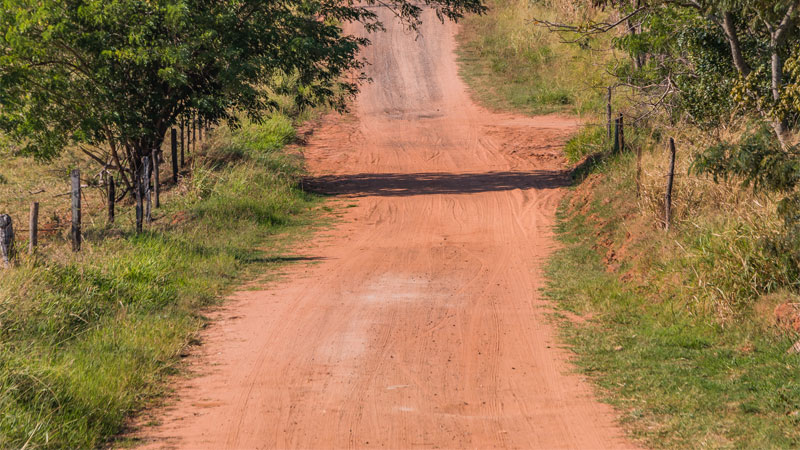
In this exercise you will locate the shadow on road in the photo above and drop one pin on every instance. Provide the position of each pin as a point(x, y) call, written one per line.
point(283, 259)
point(408, 184)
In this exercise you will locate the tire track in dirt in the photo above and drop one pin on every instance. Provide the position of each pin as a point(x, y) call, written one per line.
point(421, 324)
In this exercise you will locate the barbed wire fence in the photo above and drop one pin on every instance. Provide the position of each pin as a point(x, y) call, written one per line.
point(147, 195)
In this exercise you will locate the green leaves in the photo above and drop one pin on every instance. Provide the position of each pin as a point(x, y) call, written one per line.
point(122, 72)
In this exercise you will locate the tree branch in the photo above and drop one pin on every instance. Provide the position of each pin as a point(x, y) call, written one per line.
point(780, 33)
point(593, 28)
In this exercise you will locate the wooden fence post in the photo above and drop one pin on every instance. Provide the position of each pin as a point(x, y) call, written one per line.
point(194, 132)
point(616, 136)
point(139, 194)
point(33, 228)
point(668, 194)
point(608, 115)
point(6, 239)
point(621, 133)
point(112, 197)
point(174, 152)
point(183, 124)
point(147, 191)
point(75, 233)
point(188, 134)
point(156, 177)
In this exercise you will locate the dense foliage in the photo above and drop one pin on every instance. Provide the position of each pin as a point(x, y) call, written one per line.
point(709, 63)
point(703, 58)
point(113, 76)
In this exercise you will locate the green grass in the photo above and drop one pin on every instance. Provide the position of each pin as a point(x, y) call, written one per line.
point(685, 364)
point(589, 140)
point(509, 63)
point(88, 339)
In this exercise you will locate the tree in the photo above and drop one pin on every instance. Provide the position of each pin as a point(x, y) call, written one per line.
point(112, 76)
point(674, 46)
point(773, 23)
point(705, 60)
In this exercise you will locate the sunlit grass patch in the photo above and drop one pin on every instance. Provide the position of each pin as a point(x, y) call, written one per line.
point(679, 332)
point(510, 63)
point(87, 339)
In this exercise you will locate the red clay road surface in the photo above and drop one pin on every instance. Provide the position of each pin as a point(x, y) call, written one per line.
point(421, 324)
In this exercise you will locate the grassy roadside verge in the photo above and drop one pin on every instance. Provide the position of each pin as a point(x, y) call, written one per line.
point(510, 64)
point(653, 340)
point(87, 339)
point(677, 330)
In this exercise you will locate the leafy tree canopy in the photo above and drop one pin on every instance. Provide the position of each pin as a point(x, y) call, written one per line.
point(116, 74)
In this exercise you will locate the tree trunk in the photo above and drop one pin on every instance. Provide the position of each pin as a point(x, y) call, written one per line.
point(144, 147)
point(777, 39)
point(632, 30)
point(729, 27)
point(778, 124)
point(118, 162)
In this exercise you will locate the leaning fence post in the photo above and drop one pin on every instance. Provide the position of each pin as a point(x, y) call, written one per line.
point(147, 191)
point(174, 149)
point(6, 239)
point(75, 177)
point(608, 114)
point(668, 194)
point(33, 228)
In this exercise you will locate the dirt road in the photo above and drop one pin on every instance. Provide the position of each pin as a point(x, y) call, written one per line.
point(420, 325)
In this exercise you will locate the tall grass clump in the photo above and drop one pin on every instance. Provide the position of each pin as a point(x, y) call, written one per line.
point(87, 339)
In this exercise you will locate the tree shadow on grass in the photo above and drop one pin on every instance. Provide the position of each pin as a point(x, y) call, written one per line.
point(589, 165)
